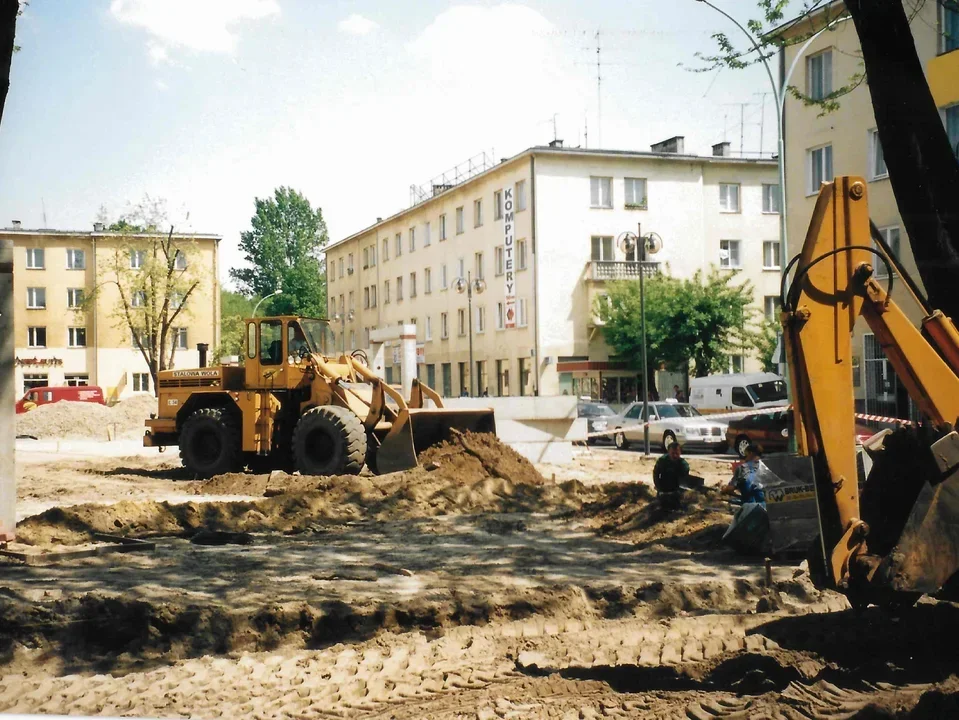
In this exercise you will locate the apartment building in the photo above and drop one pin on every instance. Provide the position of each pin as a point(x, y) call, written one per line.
point(539, 229)
point(61, 339)
point(845, 142)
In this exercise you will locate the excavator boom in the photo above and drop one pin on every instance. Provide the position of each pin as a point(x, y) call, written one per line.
point(900, 533)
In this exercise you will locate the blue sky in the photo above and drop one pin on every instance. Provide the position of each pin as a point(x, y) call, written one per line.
point(210, 103)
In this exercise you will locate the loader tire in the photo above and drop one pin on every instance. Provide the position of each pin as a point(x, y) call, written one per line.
point(329, 440)
point(210, 443)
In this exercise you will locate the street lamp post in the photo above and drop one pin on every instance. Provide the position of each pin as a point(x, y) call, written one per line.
point(257, 306)
point(468, 285)
point(343, 319)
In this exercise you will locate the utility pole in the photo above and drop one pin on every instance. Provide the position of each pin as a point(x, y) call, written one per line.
point(599, 97)
point(8, 476)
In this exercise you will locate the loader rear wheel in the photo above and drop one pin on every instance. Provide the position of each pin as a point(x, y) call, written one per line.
point(329, 440)
point(210, 443)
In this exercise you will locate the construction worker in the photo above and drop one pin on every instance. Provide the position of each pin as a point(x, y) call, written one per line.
point(744, 479)
point(670, 471)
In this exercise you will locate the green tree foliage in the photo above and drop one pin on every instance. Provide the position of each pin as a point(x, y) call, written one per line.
point(703, 319)
point(765, 342)
point(234, 309)
point(284, 250)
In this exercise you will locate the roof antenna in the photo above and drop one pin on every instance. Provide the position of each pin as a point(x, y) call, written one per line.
point(43, 206)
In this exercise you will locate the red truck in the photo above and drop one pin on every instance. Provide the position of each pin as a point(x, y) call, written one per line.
point(46, 395)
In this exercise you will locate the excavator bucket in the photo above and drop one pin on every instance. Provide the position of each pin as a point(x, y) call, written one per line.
point(419, 428)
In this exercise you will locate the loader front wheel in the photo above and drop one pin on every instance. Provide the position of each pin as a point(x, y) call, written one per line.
point(329, 440)
point(210, 443)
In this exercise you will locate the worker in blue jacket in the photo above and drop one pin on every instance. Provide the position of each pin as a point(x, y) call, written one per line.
point(745, 480)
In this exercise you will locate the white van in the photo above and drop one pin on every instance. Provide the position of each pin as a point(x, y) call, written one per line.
point(736, 392)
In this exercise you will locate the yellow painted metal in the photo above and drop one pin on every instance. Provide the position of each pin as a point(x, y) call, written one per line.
point(942, 333)
point(258, 410)
point(942, 73)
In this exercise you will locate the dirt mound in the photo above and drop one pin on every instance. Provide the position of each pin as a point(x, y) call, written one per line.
point(67, 420)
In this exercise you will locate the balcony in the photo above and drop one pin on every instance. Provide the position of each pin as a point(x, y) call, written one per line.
point(601, 270)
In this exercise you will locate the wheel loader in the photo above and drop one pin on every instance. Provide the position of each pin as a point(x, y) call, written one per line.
point(295, 404)
point(895, 536)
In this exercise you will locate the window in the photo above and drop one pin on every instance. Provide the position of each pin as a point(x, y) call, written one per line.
point(352, 338)
point(372, 296)
point(332, 307)
point(729, 253)
point(366, 258)
point(74, 297)
point(601, 248)
point(36, 337)
point(412, 239)
point(952, 127)
point(141, 382)
point(349, 264)
point(138, 298)
point(271, 342)
point(442, 227)
point(461, 321)
point(819, 75)
point(412, 284)
point(366, 298)
point(499, 260)
point(342, 306)
point(498, 205)
point(444, 326)
point(478, 213)
point(36, 298)
point(635, 192)
point(520, 254)
point(176, 299)
point(398, 245)
point(35, 259)
point(352, 302)
point(770, 198)
point(818, 168)
point(523, 376)
point(462, 264)
point(180, 338)
point(76, 337)
point(478, 262)
point(948, 28)
point(520, 196)
point(729, 197)
point(76, 260)
point(877, 163)
point(426, 235)
point(179, 260)
point(739, 396)
point(892, 237)
point(399, 288)
point(601, 192)
point(341, 266)
point(500, 316)
point(444, 281)
point(521, 317)
point(427, 280)
point(77, 380)
point(771, 259)
point(459, 220)
point(386, 292)
point(480, 318)
point(366, 337)
point(386, 249)
point(771, 307)
point(137, 258)
point(373, 255)
point(428, 330)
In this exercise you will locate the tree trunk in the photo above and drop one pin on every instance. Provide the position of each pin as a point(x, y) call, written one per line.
point(8, 32)
point(922, 167)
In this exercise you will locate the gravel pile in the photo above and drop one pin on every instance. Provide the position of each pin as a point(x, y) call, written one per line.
point(87, 421)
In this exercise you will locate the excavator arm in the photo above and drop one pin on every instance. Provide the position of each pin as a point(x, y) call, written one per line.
point(899, 534)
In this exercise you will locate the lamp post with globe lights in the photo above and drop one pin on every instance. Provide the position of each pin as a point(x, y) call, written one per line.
point(343, 318)
point(468, 285)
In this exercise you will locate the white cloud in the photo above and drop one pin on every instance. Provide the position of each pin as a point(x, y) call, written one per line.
point(356, 25)
point(200, 25)
point(161, 86)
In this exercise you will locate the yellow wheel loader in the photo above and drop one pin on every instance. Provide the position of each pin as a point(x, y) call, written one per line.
point(295, 404)
point(897, 536)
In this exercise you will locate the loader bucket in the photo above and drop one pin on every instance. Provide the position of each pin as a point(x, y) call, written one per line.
point(424, 428)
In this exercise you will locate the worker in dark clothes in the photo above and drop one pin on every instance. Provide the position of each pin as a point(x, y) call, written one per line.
point(669, 473)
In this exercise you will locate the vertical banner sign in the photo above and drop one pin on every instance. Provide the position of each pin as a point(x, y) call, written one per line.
point(508, 256)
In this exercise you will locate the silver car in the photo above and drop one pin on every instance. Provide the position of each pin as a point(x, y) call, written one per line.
point(668, 422)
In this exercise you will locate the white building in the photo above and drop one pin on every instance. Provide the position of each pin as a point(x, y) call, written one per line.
point(570, 205)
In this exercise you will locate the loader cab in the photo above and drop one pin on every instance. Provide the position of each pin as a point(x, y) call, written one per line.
point(277, 350)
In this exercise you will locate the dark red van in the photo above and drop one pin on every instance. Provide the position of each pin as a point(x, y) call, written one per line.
point(46, 395)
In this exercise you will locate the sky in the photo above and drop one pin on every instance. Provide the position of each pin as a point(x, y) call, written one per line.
point(210, 104)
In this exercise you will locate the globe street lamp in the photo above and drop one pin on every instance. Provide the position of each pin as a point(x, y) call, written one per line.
point(468, 285)
point(640, 245)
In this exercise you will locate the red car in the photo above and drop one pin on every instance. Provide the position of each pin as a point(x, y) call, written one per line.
point(771, 430)
point(45, 395)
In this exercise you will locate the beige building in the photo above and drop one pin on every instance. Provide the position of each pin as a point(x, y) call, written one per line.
point(845, 142)
point(63, 340)
point(534, 329)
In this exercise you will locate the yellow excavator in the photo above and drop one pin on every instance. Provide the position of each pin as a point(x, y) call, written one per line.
point(296, 404)
point(896, 537)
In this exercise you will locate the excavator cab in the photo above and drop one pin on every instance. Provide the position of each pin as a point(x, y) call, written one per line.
point(898, 537)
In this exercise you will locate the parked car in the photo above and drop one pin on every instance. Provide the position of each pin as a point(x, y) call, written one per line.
point(732, 392)
point(46, 395)
point(597, 415)
point(668, 421)
point(771, 430)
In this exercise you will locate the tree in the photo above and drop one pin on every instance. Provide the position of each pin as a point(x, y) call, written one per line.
point(154, 276)
point(923, 168)
point(766, 340)
point(234, 309)
point(704, 319)
point(284, 250)
point(9, 11)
